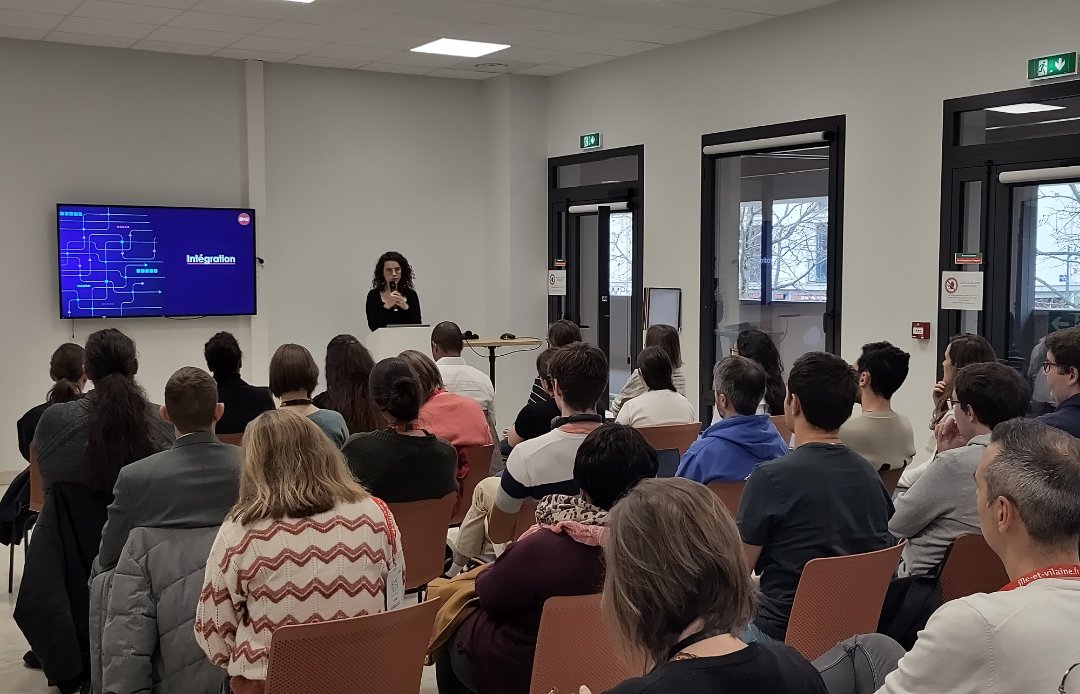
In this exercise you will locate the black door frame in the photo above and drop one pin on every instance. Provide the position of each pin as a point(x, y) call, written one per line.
point(834, 128)
point(962, 163)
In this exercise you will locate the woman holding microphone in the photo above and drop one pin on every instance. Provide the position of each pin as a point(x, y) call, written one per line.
point(392, 299)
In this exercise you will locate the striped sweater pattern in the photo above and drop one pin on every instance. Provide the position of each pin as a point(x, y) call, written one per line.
point(275, 573)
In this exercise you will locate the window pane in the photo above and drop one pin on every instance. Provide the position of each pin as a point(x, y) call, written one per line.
point(1010, 122)
point(621, 265)
point(800, 238)
point(750, 251)
point(613, 170)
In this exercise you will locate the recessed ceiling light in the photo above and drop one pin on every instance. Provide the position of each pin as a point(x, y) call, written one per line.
point(460, 48)
point(1026, 108)
point(299, 0)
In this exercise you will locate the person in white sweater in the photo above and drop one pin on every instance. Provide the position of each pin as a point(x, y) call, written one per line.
point(661, 404)
point(666, 338)
point(1022, 638)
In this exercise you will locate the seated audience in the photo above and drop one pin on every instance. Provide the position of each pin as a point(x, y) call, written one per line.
point(758, 346)
point(820, 500)
point(541, 466)
point(560, 334)
point(880, 434)
point(401, 462)
point(1023, 637)
point(536, 417)
point(243, 402)
point(732, 447)
point(1062, 371)
point(293, 378)
point(458, 377)
point(492, 652)
point(302, 527)
point(667, 339)
point(348, 373)
point(191, 485)
point(661, 404)
point(963, 350)
point(940, 506)
point(81, 446)
point(684, 601)
point(66, 369)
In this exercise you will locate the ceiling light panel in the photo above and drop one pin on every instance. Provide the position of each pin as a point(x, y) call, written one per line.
point(461, 48)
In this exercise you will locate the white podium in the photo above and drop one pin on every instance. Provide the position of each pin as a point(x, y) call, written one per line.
point(393, 340)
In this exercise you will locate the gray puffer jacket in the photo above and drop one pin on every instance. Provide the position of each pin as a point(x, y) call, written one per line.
point(142, 616)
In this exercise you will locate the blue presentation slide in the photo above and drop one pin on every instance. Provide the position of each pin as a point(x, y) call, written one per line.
point(155, 261)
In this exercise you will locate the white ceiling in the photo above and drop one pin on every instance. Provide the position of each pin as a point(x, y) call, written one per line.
point(547, 36)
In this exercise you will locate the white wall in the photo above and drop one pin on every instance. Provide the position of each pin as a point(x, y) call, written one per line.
point(888, 66)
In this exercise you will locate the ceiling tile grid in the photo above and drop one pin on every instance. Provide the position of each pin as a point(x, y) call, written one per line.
point(547, 37)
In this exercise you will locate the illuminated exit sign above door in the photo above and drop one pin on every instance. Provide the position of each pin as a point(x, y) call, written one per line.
point(591, 141)
point(1057, 65)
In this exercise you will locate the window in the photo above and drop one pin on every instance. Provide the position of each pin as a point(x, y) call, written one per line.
point(1056, 280)
point(798, 260)
point(621, 255)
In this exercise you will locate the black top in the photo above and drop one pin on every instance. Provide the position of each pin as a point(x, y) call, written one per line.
point(538, 394)
point(398, 468)
point(26, 426)
point(535, 419)
point(764, 668)
point(243, 403)
point(820, 500)
point(378, 316)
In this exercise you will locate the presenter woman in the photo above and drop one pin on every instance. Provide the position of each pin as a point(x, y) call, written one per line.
point(392, 299)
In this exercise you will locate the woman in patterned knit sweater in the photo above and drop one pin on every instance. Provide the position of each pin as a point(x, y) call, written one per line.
point(304, 543)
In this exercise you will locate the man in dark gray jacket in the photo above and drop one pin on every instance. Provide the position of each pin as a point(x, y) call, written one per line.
point(191, 485)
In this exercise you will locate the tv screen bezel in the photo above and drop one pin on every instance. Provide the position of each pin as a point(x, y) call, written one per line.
point(254, 259)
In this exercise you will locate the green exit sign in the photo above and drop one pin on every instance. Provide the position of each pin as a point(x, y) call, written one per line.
point(591, 141)
point(1057, 65)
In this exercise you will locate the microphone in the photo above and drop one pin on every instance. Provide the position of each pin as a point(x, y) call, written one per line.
point(393, 286)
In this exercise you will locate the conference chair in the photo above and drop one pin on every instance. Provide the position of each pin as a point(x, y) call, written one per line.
point(423, 527)
point(891, 478)
point(780, 422)
point(573, 648)
point(479, 469)
point(970, 567)
point(729, 494)
point(233, 439)
point(526, 517)
point(839, 597)
point(676, 436)
point(375, 654)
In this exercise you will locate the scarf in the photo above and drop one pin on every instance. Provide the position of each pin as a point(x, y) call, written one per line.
point(571, 515)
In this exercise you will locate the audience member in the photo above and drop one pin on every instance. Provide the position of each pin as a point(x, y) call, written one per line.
point(67, 370)
point(536, 417)
point(243, 402)
point(820, 500)
point(661, 404)
point(492, 651)
point(940, 506)
point(756, 345)
point(1023, 637)
point(81, 446)
point(684, 600)
point(541, 466)
point(666, 338)
point(560, 334)
point(191, 485)
point(348, 373)
point(293, 378)
point(1062, 371)
point(302, 527)
point(458, 377)
point(731, 448)
point(880, 434)
point(401, 462)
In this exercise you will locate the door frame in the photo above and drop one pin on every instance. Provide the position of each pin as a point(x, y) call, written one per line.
point(835, 129)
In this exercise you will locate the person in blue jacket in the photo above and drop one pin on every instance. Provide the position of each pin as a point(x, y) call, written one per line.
point(730, 448)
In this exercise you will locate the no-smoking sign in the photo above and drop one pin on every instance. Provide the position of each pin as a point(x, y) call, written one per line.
point(951, 285)
point(962, 290)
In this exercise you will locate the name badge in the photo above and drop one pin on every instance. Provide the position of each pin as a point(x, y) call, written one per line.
point(395, 587)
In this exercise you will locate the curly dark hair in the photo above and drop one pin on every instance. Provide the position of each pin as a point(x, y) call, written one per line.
point(348, 370)
point(756, 345)
point(406, 281)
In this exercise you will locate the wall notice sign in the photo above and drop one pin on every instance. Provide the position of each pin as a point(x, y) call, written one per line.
point(962, 291)
point(556, 282)
point(968, 258)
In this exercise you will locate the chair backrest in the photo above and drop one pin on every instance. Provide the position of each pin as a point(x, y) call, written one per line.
point(37, 486)
point(729, 494)
point(780, 422)
point(839, 597)
point(233, 439)
point(423, 527)
point(677, 436)
point(377, 654)
point(574, 648)
point(971, 567)
point(891, 478)
point(479, 469)
point(526, 517)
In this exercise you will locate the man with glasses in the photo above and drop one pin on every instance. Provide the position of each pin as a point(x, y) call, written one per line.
point(1023, 638)
point(1062, 370)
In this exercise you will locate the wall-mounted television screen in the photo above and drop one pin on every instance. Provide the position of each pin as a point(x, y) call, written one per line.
point(118, 261)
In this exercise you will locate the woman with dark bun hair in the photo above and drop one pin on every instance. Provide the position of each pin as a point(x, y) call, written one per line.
point(402, 462)
point(392, 299)
point(69, 380)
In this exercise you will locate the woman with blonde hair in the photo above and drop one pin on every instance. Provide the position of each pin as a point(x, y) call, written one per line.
point(684, 601)
point(302, 529)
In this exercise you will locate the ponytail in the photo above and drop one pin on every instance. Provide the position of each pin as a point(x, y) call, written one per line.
point(66, 369)
point(63, 391)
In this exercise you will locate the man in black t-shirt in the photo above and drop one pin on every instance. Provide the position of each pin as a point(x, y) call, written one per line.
point(820, 500)
point(535, 418)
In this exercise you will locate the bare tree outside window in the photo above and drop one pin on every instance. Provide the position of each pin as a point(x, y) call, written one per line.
point(798, 258)
point(621, 245)
point(1057, 254)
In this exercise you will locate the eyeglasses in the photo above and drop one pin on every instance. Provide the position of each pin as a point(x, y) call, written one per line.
point(951, 403)
point(734, 351)
point(1047, 365)
point(1061, 687)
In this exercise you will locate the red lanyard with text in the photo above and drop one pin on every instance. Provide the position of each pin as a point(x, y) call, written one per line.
point(1048, 572)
